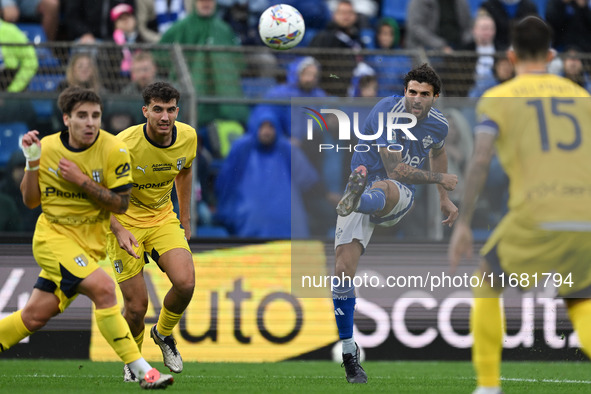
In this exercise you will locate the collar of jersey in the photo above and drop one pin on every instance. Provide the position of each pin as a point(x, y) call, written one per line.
point(155, 144)
point(64, 137)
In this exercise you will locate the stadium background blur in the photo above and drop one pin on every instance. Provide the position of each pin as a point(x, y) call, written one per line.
point(248, 279)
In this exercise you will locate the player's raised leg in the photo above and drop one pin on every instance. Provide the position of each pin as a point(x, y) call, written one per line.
point(355, 186)
point(178, 265)
point(378, 200)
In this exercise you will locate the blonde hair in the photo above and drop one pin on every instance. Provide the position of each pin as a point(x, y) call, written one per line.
point(93, 82)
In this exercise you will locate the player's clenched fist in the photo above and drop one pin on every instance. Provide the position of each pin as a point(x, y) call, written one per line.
point(449, 181)
point(71, 172)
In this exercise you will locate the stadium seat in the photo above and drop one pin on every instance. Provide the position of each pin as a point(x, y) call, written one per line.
point(368, 37)
point(44, 83)
point(9, 136)
point(212, 232)
point(256, 87)
point(395, 9)
point(310, 33)
point(36, 35)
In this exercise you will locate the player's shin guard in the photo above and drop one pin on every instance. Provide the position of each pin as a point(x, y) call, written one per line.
point(167, 321)
point(12, 331)
point(373, 200)
point(580, 315)
point(486, 323)
point(114, 328)
point(343, 298)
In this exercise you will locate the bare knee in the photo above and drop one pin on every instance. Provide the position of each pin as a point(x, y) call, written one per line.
point(185, 286)
point(347, 258)
point(35, 318)
point(136, 308)
point(102, 293)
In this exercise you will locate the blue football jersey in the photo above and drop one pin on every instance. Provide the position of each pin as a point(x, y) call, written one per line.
point(430, 132)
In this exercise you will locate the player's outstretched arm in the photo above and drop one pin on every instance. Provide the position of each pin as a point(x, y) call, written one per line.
point(438, 161)
point(402, 172)
point(107, 199)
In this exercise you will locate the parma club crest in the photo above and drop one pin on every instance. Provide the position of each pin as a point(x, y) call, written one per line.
point(118, 266)
point(180, 163)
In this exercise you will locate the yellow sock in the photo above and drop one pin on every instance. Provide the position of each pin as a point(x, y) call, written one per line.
point(114, 328)
point(139, 339)
point(580, 316)
point(167, 321)
point(486, 322)
point(12, 331)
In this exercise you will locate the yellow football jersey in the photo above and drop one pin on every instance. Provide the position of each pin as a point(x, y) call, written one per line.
point(543, 123)
point(154, 170)
point(67, 209)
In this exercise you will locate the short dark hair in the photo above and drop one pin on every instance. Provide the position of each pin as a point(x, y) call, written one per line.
point(161, 91)
point(424, 73)
point(531, 38)
point(74, 95)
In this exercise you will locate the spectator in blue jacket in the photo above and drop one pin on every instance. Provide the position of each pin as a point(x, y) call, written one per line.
point(302, 81)
point(259, 188)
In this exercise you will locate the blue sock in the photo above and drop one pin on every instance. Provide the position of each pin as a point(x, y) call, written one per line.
point(343, 298)
point(372, 201)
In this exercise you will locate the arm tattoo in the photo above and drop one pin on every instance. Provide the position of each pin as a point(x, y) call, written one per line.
point(402, 172)
point(106, 198)
point(415, 176)
point(390, 160)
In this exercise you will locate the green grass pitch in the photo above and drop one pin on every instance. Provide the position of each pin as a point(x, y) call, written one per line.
point(72, 376)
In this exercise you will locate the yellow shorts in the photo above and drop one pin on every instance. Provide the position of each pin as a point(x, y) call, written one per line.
point(64, 264)
point(153, 242)
point(518, 248)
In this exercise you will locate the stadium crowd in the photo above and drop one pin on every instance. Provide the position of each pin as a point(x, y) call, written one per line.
point(464, 40)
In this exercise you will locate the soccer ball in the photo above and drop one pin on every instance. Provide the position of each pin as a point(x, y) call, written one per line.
point(281, 27)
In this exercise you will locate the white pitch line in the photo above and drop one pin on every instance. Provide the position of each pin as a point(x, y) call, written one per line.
point(548, 380)
point(529, 380)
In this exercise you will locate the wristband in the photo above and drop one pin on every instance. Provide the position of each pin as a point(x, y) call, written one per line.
point(27, 168)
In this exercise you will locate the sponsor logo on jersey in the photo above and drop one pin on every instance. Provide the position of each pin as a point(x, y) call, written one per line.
point(51, 191)
point(122, 170)
point(180, 163)
point(413, 161)
point(142, 169)
point(81, 260)
point(152, 185)
point(97, 175)
point(53, 171)
point(162, 167)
